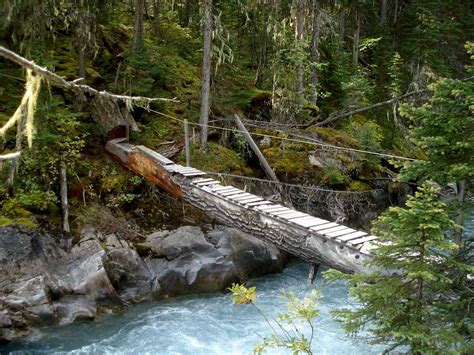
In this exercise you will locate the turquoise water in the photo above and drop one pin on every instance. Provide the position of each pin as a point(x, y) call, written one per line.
point(209, 324)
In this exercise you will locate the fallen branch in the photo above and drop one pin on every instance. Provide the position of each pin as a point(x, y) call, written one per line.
point(9, 156)
point(338, 116)
point(71, 85)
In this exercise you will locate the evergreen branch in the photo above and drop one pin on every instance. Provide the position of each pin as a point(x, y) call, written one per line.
point(340, 115)
point(72, 85)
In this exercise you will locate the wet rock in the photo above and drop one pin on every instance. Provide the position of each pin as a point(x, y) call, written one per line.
point(44, 281)
point(251, 256)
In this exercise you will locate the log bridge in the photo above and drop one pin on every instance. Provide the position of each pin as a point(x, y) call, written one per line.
point(315, 240)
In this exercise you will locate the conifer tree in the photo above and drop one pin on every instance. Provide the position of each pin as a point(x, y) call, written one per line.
point(416, 296)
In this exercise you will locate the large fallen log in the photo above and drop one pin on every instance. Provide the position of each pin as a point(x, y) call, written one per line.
point(312, 239)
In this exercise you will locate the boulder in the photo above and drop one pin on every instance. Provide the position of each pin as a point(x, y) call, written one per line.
point(251, 256)
point(45, 281)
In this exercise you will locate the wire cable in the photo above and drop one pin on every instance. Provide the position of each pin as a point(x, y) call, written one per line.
point(306, 187)
point(310, 142)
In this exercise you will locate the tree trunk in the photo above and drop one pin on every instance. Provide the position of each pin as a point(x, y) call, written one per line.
point(315, 49)
point(82, 63)
point(81, 42)
point(156, 15)
point(138, 27)
point(395, 12)
point(186, 14)
point(64, 202)
point(383, 11)
point(206, 73)
point(355, 49)
point(342, 30)
point(461, 187)
point(299, 28)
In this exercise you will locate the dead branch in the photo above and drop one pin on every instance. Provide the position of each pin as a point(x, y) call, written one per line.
point(72, 85)
point(340, 115)
point(9, 156)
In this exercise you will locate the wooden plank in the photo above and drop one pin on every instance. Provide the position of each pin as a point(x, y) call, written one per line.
point(288, 216)
point(244, 196)
point(363, 240)
point(279, 210)
point(260, 203)
point(340, 232)
point(308, 221)
point(173, 166)
point(285, 211)
point(197, 173)
point(183, 169)
point(255, 199)
point(208, 183)
point(220, 188)
point(323, 226)
point(345, 238)
point(230, 192)
point(155, 155)
point(248, 198)
point(235, 194)
point(202, 180)
point(267, 208)
point(332, 229)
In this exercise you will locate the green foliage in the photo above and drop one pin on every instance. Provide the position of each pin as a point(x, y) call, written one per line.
point(443, 128)
point(369, 136)
point(297, 312)
point(242, 294)
point(332, 175)
point(217, 159)
point(415, 296)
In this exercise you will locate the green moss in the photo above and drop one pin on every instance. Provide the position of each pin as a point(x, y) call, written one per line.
point(333, 136)
point(4, 222)
point(332, 175)
point(216, 159)
point(289, 161)
point(357, 185)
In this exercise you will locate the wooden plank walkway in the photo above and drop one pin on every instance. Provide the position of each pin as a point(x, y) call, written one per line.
point(311, 238)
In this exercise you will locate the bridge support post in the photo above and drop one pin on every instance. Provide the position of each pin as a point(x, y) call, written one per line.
point(313, 270)
point(186, 143)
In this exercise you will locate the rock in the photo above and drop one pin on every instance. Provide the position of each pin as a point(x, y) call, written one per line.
point(197, 273)
point(251, 256)
point(44, 281)
point(181, 242)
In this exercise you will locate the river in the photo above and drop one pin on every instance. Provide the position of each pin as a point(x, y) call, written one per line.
point(207, 324)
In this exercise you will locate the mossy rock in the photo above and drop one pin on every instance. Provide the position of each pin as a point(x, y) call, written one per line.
point(288, 161)
point(334, 136)
point(4, 222)
point(357, 185)
point(217, 159)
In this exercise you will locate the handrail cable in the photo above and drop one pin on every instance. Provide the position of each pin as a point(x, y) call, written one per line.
point(311, 142)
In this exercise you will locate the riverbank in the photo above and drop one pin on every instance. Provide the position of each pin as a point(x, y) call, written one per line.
point(203, 324)
point(57, 280)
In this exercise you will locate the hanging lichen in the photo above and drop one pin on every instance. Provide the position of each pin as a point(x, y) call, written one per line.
point(27, 107)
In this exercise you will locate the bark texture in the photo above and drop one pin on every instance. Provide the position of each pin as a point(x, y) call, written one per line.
point(299, 32)
point(315, 48)
point(206, 73)
point(138, 27)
